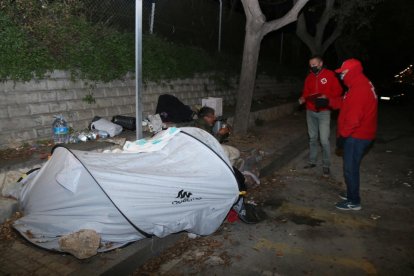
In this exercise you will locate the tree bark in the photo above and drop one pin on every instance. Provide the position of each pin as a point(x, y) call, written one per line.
point(316, 44)
point(256, 29)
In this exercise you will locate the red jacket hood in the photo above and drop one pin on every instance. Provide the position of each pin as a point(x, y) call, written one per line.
point(353, 74)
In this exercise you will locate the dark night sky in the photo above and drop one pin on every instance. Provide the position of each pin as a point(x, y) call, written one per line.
point(388, 46)
point(391, 43)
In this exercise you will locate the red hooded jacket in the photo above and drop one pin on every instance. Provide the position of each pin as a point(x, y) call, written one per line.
point(358, 107)
point(324, 83)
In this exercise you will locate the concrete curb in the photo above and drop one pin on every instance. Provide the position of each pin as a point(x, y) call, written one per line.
point(126, 260)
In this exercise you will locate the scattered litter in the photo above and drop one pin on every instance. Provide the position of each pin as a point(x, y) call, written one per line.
point(251, 177)
point(292, 170)
point(232, 216)
point(214, 261)
point(192, 236)
point(117, 141)
point(407, 184)
point(374, 217)
point(252, 202)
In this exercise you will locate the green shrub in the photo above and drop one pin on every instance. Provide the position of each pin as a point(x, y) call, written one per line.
point(21, 57)
point(48, 35)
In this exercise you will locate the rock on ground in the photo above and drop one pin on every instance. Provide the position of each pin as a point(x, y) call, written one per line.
point(82, 244)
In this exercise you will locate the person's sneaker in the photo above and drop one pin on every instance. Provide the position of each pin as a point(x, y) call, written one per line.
point(348, 205)
point(309, 166)
point(251, 214)
point(343, 195)
point(326, 172)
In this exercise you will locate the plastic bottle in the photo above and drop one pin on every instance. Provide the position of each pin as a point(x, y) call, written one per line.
point(60, 130)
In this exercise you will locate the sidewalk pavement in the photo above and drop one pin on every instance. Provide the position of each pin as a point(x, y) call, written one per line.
point(280, 141)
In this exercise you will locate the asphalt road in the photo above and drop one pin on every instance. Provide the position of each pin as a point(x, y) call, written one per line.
point(303, 233)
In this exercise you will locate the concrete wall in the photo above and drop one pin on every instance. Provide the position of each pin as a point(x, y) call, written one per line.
point(27, 108)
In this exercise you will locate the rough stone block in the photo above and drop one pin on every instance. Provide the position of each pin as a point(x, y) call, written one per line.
point(7, 208)
point(103, 102)
point(58, 107)
point(101, 112)
point(20, 98)
point(81, 124)
point(59, 74)
point(99, 92)
point(125, 91)
point(83, 115)
point(7, 86)
point(39, 108)
point(26, 135)
point(18, 110)
point(17, 123)
point(117, 101)
point(29, 86)
point(82, 93)
point(112, 111)
point(44, 133)
point(78, 105)
point(64, 95)
point(57, 84)
point(46, 96)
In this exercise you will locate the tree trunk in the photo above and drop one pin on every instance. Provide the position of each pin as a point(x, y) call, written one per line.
point(247, 80)
point(256, 28)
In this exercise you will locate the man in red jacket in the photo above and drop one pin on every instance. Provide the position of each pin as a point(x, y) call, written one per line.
point(357, 127)
point(319, 82)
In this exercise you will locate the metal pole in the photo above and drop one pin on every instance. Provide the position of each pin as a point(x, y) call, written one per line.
point(152, 17)
point(219, 38)
point(138, 66)
point(281, 48)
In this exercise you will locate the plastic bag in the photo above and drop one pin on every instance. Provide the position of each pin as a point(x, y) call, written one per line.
point(108, 126)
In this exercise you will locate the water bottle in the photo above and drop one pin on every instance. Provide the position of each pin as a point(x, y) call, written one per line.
point(60, 130)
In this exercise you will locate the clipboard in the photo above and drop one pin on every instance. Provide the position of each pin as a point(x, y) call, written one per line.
point(312, 97)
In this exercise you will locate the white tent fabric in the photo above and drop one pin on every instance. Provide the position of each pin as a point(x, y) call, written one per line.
point(188, 185)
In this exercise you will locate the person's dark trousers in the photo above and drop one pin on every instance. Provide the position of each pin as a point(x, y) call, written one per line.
point(354, 150)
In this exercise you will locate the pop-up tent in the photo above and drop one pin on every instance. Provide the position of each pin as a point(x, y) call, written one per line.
point(188, 185)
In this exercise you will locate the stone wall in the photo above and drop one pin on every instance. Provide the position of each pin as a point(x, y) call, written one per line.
point(27, 108)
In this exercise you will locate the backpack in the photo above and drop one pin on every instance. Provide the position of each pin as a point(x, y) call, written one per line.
point(171, 109)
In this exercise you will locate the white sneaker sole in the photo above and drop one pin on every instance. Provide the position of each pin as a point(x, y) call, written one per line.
point(357, 208)
point(343, 197)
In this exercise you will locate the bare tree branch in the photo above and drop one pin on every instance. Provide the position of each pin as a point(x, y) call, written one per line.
point(323, 22)
point(302, 33)
point(288, 18)
point(331, 39)
point(253, 11)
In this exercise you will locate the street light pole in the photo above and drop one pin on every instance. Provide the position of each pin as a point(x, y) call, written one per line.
point(219, 36)
point(138, 67)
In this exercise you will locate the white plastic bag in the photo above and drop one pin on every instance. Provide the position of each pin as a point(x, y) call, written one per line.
point(156, 122)
point(108, 126)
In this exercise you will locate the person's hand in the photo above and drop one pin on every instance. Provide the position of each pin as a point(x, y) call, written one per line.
point(301, 100)
point(224, 131)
